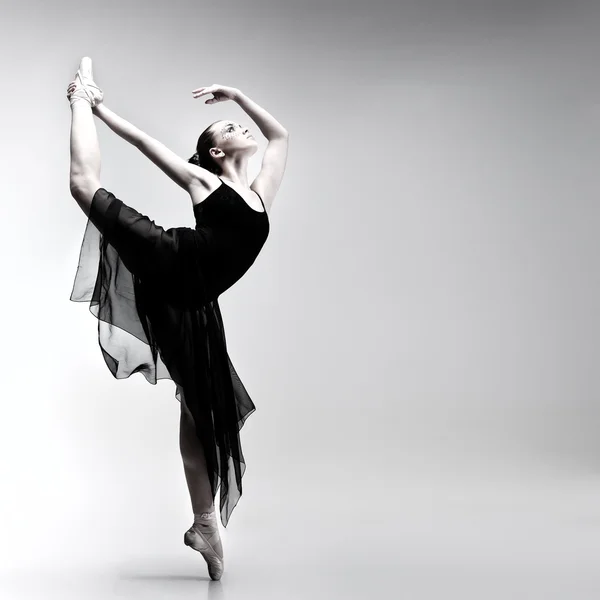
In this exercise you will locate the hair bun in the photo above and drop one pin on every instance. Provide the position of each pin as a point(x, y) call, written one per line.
point(195, 159)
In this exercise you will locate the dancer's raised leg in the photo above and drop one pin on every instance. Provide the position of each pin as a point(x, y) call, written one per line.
point(85, 149)
point(84, 177)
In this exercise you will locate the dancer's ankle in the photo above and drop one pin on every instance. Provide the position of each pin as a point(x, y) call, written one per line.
point(81, 102)
point(205, 516)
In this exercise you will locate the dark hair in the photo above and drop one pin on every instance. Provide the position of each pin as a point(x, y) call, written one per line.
point(202, 158)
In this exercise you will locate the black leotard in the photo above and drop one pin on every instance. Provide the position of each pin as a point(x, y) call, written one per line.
point(233, 232)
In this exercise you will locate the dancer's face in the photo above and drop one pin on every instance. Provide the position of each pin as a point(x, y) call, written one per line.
point(230, 135)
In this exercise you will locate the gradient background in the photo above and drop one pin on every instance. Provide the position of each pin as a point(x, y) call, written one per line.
point(419, 334)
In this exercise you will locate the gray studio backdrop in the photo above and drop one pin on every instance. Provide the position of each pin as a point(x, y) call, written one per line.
point(424, 311)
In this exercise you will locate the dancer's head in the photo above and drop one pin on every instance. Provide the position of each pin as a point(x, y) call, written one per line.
point(220, 141)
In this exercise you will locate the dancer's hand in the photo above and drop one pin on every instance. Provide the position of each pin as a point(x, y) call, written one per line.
point(221, 93)
point(70, 89)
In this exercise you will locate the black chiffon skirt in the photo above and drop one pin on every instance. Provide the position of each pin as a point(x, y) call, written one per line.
point(146, 286)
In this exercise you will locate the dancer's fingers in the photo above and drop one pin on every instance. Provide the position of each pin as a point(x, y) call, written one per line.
point(203, 91)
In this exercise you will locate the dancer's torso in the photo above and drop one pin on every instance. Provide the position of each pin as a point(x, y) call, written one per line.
point(232, 233)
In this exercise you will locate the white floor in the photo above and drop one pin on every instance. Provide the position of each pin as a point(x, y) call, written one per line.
point(464, 540)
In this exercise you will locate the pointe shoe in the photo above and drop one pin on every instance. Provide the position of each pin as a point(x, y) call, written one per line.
point(81, 93)
point(86, 87)
point(203, 543)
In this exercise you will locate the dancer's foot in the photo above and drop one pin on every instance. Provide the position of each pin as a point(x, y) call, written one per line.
point(86, 88)
point(203, 536)
point(76, 92)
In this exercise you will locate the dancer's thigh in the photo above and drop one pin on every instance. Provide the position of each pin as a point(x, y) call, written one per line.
point(145, 247)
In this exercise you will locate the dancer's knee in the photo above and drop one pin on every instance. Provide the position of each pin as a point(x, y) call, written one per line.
point(83, 187)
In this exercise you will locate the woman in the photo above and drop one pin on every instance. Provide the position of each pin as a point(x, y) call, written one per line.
point(155, 291)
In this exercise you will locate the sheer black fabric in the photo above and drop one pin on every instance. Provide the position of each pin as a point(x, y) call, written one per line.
point(155, 294)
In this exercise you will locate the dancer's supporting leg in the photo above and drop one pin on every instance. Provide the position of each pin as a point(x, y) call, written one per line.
point(85, 155)
point(206, 538)
point(194, 463)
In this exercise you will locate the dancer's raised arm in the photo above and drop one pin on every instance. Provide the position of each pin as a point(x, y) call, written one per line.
point(183, 173)
point(268, 180)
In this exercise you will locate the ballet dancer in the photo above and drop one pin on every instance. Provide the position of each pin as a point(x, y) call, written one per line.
point(161, 287)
